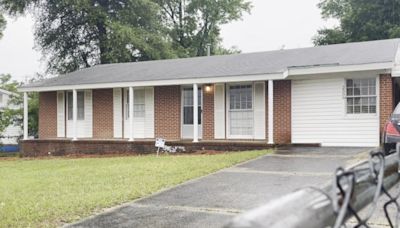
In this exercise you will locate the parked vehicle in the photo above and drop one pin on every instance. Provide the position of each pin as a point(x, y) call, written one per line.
point(391, 133)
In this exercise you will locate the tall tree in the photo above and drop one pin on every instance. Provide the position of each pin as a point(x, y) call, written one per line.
point(75, 34)
point(193, 24)
point(2, 25)
point(359, 20)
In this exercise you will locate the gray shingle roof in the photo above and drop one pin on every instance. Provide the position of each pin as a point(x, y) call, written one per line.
point(230, 65)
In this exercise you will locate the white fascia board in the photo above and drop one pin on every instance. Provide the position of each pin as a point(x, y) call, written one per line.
point(241, 78)
point(8, 92)
point(338, 69)
point(396, 64)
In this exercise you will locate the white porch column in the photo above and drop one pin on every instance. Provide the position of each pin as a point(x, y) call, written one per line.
point(270, 112)
point(25, 115)
point(74, 114)
point(131, 97)
point(195, 114)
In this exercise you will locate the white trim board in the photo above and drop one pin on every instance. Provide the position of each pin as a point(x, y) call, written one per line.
point(8, 92)
point(336, 69)
point(208, 80)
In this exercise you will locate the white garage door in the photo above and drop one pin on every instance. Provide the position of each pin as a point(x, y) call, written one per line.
point(332, 111)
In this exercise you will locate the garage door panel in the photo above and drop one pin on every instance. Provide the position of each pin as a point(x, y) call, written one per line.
point(318, 115)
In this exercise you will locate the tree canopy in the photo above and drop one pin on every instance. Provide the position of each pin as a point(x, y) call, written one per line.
point(14, 115)
point(193, 24)
point(359, 20)
point(75, 34)
point(2, 25)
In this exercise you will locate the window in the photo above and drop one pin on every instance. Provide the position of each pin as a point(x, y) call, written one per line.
point(80, 104)
point(188, 106)
point(241, 97)
point(127, 104)
point(361, 96)
point(241, 110)
point(139, 103)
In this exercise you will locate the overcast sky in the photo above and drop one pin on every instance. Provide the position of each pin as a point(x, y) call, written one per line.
point(271, 25)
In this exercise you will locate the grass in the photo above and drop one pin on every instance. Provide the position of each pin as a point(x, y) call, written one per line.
point(50, 192)
point(9, 154)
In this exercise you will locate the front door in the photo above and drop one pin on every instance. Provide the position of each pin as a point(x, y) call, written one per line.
point(187, 112)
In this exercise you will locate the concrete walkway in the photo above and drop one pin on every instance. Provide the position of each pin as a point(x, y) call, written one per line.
point(213, 200)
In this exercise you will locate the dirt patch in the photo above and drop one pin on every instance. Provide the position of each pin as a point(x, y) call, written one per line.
point(209, 152)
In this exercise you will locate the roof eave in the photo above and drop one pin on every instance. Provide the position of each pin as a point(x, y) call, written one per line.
point(287, 74)
point(338, 69)
point(8, 92)
point(206, 80)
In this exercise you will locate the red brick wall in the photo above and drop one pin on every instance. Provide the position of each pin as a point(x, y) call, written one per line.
point(208, 113)
point(59, 147)
point(282, 111)
point(167, 108)
point(47, 115)
point(103, 118)
point(386, 98)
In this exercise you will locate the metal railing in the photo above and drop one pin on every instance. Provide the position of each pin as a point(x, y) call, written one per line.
point(352, 190)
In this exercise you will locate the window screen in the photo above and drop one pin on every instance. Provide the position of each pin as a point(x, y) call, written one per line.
point(361, 96)
point(241, 110)
point(188, 106)
point(80, 104)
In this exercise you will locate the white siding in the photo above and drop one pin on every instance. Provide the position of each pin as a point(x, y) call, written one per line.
point(125, 110)
point(259, 110)
point(117, 112)
point(319, 114)
point(3, 100)
point(88, 122)
point(149, 106)
point(60, 114)
point(219, 111)
point(11, 133)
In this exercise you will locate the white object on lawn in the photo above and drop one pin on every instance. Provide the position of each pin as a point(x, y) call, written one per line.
point(160, 144)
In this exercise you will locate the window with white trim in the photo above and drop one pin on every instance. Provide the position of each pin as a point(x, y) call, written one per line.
point(80, 104)
point(241, 110)
point(138, 103)
point(361, 96)
point(126, 104)
point(188, 106)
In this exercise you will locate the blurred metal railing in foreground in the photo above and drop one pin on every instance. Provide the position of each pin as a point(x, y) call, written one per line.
point(352, 190)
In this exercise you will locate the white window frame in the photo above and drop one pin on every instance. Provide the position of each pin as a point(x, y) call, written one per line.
point(136, 112)
point(200, 104)
point(228, 110)
point(346, 96)
point(82, 108)
point(200, 114)
point(139, 106)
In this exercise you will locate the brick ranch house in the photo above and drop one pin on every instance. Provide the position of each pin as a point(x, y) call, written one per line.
point(334, 95)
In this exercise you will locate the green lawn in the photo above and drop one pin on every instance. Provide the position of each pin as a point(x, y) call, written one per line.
point(50, 192)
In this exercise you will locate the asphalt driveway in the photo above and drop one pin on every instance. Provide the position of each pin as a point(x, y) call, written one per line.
point(213, 200)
